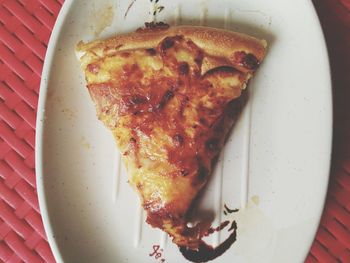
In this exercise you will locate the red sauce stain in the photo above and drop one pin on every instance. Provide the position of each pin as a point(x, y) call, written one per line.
point(206, 253)
point(220, 227)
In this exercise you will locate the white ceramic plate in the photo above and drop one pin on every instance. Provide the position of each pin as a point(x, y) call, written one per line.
point(274, 167)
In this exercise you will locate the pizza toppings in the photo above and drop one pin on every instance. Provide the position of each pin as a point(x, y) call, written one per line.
point(170, 97)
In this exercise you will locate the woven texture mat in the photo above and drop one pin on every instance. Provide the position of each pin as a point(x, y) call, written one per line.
point(25, 27)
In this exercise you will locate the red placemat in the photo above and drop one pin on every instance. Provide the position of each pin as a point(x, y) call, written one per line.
point(25, 27)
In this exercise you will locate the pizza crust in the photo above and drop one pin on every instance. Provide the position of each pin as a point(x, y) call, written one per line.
point(219, 45)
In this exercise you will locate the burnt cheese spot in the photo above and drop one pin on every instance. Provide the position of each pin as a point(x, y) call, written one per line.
point(232, 108)
point(249, 61)
point(184, 172)
point(199, 58)
point(151, 51)
point(222, 70)
point(178, 140)
point(235, 106)
point(212, 144)
point(202, 172)
point(169, 42)
point(218, 125)
point(137, 99)
point(184, 68)
point(166, 97)
point(203, 121)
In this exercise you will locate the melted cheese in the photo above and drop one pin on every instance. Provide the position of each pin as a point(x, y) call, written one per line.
point(169, 120)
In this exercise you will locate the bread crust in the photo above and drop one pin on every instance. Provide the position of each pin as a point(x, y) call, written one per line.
point(217, 43)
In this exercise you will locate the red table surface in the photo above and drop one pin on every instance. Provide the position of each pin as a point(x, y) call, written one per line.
point(25, 28)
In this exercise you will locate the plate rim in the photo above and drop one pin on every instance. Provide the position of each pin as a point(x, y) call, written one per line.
point(39, 129)
point(324, 48)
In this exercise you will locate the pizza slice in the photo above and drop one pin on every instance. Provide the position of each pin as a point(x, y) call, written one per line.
point(170, 96)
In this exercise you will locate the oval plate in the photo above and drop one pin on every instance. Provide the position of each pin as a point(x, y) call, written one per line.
point(274, 167)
